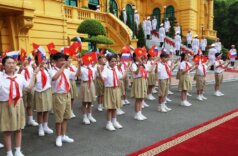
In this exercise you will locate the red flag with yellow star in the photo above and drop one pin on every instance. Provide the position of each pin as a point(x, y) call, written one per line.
point(23, 54)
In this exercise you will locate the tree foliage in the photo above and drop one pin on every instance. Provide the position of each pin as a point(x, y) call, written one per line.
point(91, 27)
point(226, 21)
point(141, 37)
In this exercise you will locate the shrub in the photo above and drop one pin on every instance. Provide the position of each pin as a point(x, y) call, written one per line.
point(91, 27)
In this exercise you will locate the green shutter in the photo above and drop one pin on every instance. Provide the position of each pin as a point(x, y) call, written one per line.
point(170, 11)
point(94, 2)
point(156, 13)
point(73, 3)
point(67, 2)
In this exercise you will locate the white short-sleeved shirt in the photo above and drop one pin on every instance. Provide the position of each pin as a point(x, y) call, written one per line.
point(148, 66)
point(200, 71)
point(5, 86)
point(184, 66)
point(84, 73)
point(162, 73)
point(121, 70)
point(74, 71)
point(38, 84)
point(218, 69)
point(107, 74)
point(134, 68)
point(30, 70)
point(61, 89)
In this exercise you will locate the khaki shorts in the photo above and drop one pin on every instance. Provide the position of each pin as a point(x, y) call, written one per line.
point(28, 98)
point(218, 79)
point(61, 107)
point(163, 87)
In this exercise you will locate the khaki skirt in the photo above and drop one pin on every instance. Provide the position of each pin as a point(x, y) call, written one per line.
point(139, 88)
point(99, 86)
point(73, 90)
point(112, 98)
point(200, 82)
point(185, 82)
point(12, 117)
point(152, 79)
point(43, 101)
point(28, 96)
point(87, 94)
point(122, 87)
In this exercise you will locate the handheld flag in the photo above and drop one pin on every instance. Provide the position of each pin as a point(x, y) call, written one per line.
point(126, 57)
point(23, 54)
point(13, 54)
point(125, 49)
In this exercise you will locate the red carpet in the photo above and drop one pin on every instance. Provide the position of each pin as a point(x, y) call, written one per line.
point(217, 137)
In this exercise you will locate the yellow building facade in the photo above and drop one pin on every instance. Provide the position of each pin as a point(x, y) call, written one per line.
point(23, 22)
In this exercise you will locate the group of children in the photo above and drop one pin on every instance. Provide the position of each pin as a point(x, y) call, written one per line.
point(45, 87)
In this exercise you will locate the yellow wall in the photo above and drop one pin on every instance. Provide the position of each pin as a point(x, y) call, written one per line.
point(43, 21)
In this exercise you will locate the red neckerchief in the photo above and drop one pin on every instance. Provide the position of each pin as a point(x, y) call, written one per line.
point(167, 69)
point(65, 82)
point(43, 78)
point(26, 74)
point(115, 78)
point(12, 80)
point(71, 69)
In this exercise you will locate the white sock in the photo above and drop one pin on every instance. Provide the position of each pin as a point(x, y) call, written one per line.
point(30, 118)
point(85, 115)
point(108, 122)
point(9, 152)
point(89, 114)
point(40, 126)
point(114, 120)
point(45, 124)
point(18, 149)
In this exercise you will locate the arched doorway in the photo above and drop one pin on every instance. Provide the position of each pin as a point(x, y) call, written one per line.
point(92, 4)
point(156, 13)
point(170, 11)
point(113, 7)
point(129, 13)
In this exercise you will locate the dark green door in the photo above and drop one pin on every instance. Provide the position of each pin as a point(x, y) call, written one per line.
point(170, 11)
point(156, 13)
point(92, 4)
point(129, 13)
point(113, 7)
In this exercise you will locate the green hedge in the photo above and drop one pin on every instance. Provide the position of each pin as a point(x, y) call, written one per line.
point(99, 40)
point(91, 27)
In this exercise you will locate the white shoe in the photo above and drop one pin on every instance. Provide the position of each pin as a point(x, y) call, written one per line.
point(188, 94)
point(119, 111)
point(72, 114)
point(58, 141)
point(154, 91)
point(123, 102)
point(166, 108)
point(100, 108)
point(47, 130)
point(187, 103)
point(220, 93)
point(127, 102)
point(199, 97)
point(41, 132)
point(167, 99)
point(18, 154)
point(67, 139)
point(145, 104)
point(1, 145)
point(138, 117)
point(117, 125)
point(92, 119)
point(217, 93)
point(170, 93)
point(32, 123)
point(142, 116)
point(161, 108)
point(86, 121)
point(203, 97)
point(110, 127)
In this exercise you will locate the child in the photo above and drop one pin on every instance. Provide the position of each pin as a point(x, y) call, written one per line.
point(233, 56)
point(12, 112)
point(112, 93)
point(164, 75)
point(61, 98)
point(43, 98)
point(151, 78)
point(185, 83)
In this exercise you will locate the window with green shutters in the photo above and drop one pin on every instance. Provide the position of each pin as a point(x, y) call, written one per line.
point(170, 11)
point(93, 2)
point(71, 2)
point(156, 13)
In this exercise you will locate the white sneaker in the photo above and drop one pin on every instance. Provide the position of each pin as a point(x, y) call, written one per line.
point(152, 97)
point(217, 93)
point(117, 125)
point(67, 139)
point(92, 119)
point(110, 127)
point(185, 103)
point(170, 93)
point(203, 97)
point(154, 91)
point(145, 104)
point(220, 93)
point(167, 99)
point(188, 94)
point(32, 123)
point(18, 154)
point(47, 130)
point(123, 102)
point(127, 102)
point(86, 121)
point(188, 103)
point(58, 141)
point(142, 116)
point(138, 117)
point(100, 108)
point(199, 97)
point(1, 145)
point(166, 108)
point(161, 108)
point(41, 132)
point(72, 114)
point(119, 111)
